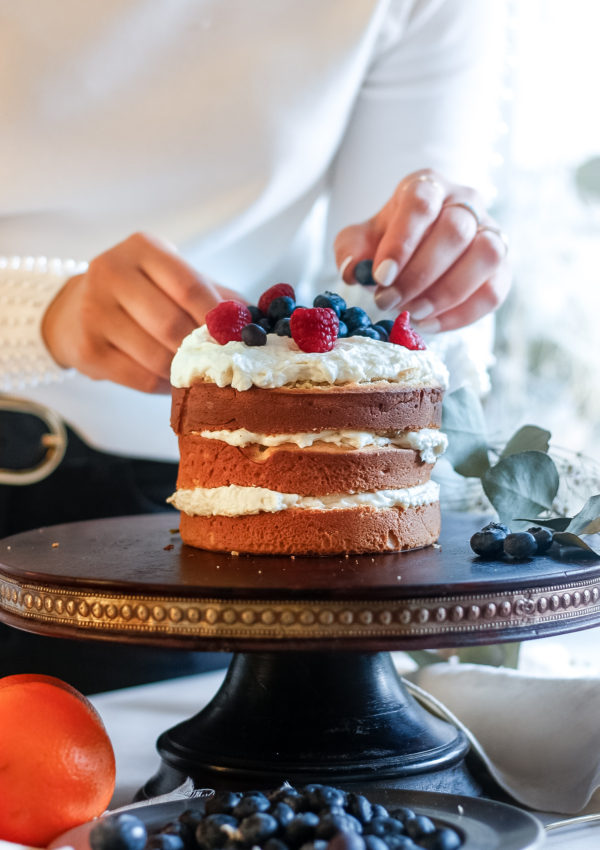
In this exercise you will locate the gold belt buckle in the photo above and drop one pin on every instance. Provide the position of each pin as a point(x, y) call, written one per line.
point(55, 442)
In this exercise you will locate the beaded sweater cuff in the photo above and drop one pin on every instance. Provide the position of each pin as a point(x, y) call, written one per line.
point(27, 286)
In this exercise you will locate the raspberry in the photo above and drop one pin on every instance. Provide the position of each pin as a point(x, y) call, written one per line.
point(276, 291)
point(226, 320)
point(314, 328)
point(403, 334)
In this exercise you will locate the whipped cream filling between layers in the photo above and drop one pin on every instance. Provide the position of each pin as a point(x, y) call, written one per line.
point(430, 443)
point(279, 363)
point(234, 500)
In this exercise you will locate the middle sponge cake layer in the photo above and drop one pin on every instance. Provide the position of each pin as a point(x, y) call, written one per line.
point(321, 470)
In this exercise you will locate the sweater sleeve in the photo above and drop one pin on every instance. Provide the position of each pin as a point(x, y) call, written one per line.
point(429, 99)
point(27, 286)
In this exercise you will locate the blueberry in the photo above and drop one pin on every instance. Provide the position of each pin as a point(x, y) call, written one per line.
point(520, 545)
point(380, 811)
point(215, 830)
point(280, 308)
point(346, 841)
point(369, 332)
point(265, 325)
point(119, 832)
point(282, 328)
point(384, 826)
point(295, 801)
point(543, 537)
point(251, 802)
point(401, 813)
point(330, 824)
point(321, 796)
point(499, 526)
point(257, 828)
point(281, 792)
point(254, 335)
point(488, 543)
point(401, 842)
point(165, 841)
point(355, 318)
point(419, 826)
point(372, 842)
point(332, 300)
point(384, 334)
point(255, 313)
point(275, 844)
point(386, 324)
point(319, 844)
point(282, 812)
point(441, 839)
point(363, 273)
point(222, 803)
point(301, 829)
point(360, 807)
point(187, 823)
point(342, 330)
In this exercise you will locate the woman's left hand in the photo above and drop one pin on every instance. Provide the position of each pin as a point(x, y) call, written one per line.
point(435, 253)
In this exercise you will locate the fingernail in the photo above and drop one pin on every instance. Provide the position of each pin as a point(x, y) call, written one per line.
point(387, 298)
point(421, 309)
point(386, 272)
point(430, 327)
point(345, 265)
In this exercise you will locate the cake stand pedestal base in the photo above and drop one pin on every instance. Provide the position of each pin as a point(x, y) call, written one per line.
point(334, 717)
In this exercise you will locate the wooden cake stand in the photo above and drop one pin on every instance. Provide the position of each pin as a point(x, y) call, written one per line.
point(311, 693)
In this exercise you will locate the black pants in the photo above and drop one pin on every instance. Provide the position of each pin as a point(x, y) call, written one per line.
point(87, 485)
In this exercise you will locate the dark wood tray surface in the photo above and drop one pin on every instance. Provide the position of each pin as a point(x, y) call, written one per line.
point(134, 554)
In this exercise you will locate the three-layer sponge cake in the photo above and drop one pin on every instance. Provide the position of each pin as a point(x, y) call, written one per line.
point(291, 452)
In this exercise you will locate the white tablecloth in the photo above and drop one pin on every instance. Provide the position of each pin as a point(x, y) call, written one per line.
point(135, 717)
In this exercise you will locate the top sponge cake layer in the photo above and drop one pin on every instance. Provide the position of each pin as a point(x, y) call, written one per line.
point(379, 406)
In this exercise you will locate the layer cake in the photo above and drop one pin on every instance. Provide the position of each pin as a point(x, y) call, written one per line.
point(285, 451)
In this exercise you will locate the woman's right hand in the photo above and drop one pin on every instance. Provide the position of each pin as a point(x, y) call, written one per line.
point(124, 318)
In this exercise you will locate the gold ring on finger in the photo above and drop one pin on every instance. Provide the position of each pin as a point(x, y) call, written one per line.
point(497, 232)
point(466, 206)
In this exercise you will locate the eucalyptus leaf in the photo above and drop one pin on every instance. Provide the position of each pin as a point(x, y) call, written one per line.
point(463, 422)
point(559, 523)
point(587, 521)
point(521, 484)
point(567, 538)
point(529, 438)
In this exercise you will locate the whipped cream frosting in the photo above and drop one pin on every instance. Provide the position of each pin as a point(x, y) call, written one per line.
point(429, 442)
point(281, 363)
point(243, 501)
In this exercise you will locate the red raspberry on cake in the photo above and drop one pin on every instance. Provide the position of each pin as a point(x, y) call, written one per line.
point(314, 329)
point(226, 320)
point(403, 334)
point(277, 291)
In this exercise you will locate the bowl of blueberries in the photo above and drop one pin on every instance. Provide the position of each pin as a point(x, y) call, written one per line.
point(314, 817)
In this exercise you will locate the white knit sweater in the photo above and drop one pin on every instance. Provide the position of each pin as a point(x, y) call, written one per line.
point(216, 124)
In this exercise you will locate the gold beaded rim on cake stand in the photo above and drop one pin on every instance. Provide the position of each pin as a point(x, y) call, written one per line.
point(151, 618)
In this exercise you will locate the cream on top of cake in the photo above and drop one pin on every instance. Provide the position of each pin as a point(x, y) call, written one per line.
point(234, 500)
point(280, 363)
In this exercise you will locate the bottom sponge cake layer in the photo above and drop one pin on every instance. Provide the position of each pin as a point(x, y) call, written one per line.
point(323, 532)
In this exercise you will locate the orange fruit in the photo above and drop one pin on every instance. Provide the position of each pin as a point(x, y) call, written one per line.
point(57, 766)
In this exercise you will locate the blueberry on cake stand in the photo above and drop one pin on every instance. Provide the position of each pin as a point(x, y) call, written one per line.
point(311, 693)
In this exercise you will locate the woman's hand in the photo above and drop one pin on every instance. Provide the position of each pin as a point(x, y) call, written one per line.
point(123, 319)
point(435, 252)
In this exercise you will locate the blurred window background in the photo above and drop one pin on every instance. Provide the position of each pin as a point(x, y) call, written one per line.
point(547, 174)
